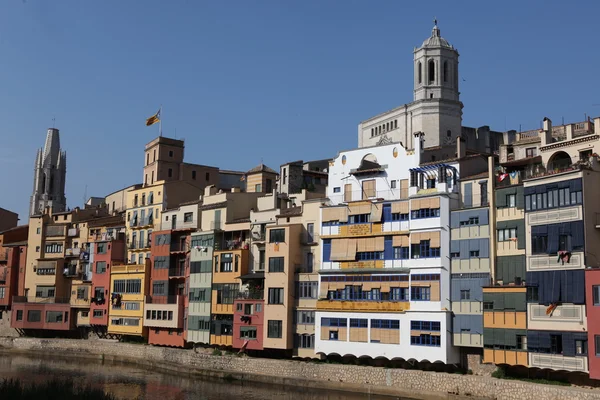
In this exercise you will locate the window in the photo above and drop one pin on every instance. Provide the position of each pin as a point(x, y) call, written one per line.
point(305, 318)
point(171, 153)
point(522, 342)
point(337, 189)
point(194, 175)
point(432, 326)
point(401, 253)
point(97, 314)
point(424, 250)
point(276, 264)
point(170, 173)
point(511, 200)
point(133, 286)
point(556, 344)
point(258, 188)
point(207, 176)
point(483, 193)
point(274, 329)
point(596, 294)
point(369, 188)
point(530, 152)
point(581, 347)
point(425, 213)
point(2, 292)
point(596, 344)
point(393, 184)
point(20, 316)
point(269, 186)
point(277, 236)
point(465, 294)
point(310, 232)
point(158, 288)
point(307, 290)
point(431, 183)
point(44, 291)
point(445, 71)
point(470, 221)
point(53, 248)
point(34, 316)
point(248, 333)
point(309, 262)
point(304, 341)
point(505, 235)
point(420, 68)
point(240, 307)
point(132, 305)
point(226, 262)
point(474, 253)
point(99, 293)
point(418, 293)
point(425, 340)
point(431, 70)
point(275, 295)
point(101, 248)
point(188, 216)
point(283, 175)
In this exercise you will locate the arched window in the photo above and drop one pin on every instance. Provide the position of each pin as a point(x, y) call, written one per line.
point(431, 69)
point(445, 71)
point(420, 72)
point(449, 133)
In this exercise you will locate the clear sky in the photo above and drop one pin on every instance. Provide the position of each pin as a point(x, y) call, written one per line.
point(274, 80)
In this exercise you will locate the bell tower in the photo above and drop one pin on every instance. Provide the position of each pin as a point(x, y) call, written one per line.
point(436, 69)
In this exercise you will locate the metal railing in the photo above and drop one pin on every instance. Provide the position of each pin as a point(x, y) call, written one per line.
point(356, 195)
point(191, 224)
point(176, 272)
point(259, 266)
point(258, 236)
point(179, 247)
point(251, 295)
point(309, 239)
point(48, 300)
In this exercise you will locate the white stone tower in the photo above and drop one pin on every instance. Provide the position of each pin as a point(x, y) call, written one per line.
point(436, 89)
point(49, 174)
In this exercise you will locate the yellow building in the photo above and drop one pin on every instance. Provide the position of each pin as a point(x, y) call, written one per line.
point(129, 284)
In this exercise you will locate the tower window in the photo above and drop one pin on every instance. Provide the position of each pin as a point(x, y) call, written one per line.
point(194, 175)
point(431, 69)
point(147, 158)
point(431, 95)
point(420, 67)
point(170, 172)
point(171, 153)
point(154, 156)
point(445, 71)
point(207, 176)
point(449, 133)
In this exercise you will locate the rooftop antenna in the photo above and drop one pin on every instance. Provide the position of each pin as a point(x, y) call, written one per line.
point(53, 121)
point(85, 195)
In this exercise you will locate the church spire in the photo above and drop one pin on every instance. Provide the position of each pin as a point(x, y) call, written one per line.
point(49, 176)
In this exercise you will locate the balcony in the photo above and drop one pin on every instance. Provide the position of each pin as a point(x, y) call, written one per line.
point(356, 195)
point(72, 252)
point(251, 295)
point(310, 239)
point(72, 271)
point(41, 300)
point(127, 268)
point(179, 247)
point(175, 299)
point(512, 178)
point(177, 225)
point(177, 272)
point(369, 306)
point(258, 236)
point(558, 362)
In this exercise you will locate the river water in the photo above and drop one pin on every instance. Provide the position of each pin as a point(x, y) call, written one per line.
point(127, 382)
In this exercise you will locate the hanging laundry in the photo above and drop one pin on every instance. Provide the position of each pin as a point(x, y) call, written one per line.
point(564, 256)
point(502, 177)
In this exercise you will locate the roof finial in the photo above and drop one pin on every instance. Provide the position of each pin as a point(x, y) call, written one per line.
point(435, 21)
point(435, 31)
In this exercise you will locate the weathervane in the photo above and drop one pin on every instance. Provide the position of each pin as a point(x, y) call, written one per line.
point(435, 21)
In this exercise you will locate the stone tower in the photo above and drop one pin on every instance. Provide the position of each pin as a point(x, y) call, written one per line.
point(49, 175)
point(436, 89)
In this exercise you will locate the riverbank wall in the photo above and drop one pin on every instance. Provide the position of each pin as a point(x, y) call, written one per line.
point(396, 382)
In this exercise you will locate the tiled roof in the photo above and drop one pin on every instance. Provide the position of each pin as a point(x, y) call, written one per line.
point(291, 212)
point(222, 204)
point(262, 168)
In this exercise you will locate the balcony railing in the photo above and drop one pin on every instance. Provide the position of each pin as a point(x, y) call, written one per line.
point(174, 299)
point(48, 300)
point(259, 266)
point(512, 178)
point(176, 272)
point(308, 238)
point(251, 295)
point(132, 245)
point(356, 195)
point(541, 171)
point(73, 252)
point(71, 271)
point(258, 236)
point(190, 224)
point(179, 247)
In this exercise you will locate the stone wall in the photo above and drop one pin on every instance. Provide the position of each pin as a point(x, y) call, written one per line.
point(399, 382)
point(5, 329)
point(474, 364)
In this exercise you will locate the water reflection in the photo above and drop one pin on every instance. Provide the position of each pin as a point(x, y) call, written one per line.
point(131, 383)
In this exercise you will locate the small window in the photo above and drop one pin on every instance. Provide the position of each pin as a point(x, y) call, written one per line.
point(207, 176)
point(277, 236)
point(194, 175)
point(581, 347)
point(474, 253)
point(393, 184)
point(335, 190)
point(465, 294)
point(188, 217)
point(522, 342)
point(170, 174)
point(596, 294)
point(530, 152)
point(171, 153)
point(258, 188)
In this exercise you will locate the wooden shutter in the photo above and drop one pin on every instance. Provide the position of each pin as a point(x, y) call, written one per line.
point(369, 188)
point(348, 192)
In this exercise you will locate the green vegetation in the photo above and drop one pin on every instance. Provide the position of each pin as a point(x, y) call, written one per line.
point(500, 373)
point(14, 389)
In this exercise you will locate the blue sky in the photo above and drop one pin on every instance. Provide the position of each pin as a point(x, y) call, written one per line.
point(275, 80)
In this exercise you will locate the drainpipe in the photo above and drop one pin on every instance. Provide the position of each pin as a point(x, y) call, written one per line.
point(492, 216)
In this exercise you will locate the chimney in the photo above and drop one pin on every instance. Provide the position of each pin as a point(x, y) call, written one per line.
point(461, 147)
point(597, 126)
point(547, 132)
point(569, 130)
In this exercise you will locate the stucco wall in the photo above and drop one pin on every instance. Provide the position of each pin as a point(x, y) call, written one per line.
point(400, 382)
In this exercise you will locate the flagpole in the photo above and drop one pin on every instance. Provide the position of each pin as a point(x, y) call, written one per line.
point(160, 122)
